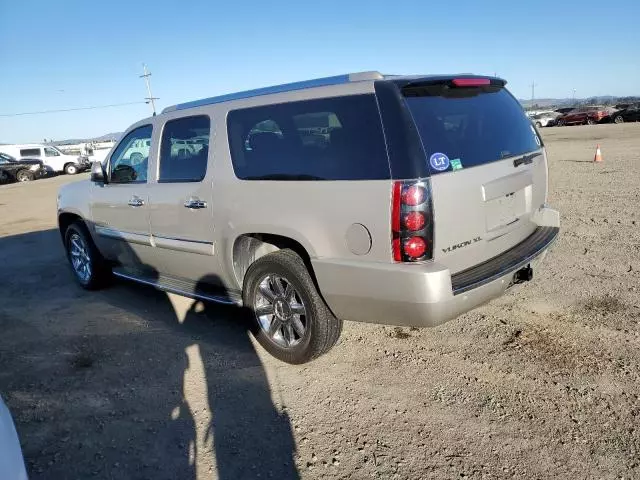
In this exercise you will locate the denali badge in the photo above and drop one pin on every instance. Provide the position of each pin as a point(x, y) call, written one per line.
point(461, 245)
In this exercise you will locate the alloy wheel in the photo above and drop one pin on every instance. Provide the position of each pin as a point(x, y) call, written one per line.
point(280, 311)
point(80, 259)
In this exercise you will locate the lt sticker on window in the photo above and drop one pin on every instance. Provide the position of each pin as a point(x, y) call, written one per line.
point(439, 162)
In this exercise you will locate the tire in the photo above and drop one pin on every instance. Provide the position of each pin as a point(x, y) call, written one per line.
point(25, 176)
point(560, 123)
point(321, 329)
point(591, 121)
point(70, 169)
point(98, 273)
point(538, 124)
point(618, 119)
point(4, 176)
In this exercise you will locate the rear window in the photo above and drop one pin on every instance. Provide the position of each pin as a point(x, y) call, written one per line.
point(469, 130)
point(327, 139)
point(30, 152)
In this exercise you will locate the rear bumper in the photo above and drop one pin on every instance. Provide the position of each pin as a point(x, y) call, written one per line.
point(427, 294)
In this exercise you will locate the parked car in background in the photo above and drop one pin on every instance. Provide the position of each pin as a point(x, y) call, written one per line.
point(295, 208)
point(564, 110)
point(54, 160)
point(544, 119)
point(23, 170)
point(585, 116)
point(11, 460)
point(629, 114)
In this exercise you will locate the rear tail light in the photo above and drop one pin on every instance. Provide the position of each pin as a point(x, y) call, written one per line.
point(412, 221)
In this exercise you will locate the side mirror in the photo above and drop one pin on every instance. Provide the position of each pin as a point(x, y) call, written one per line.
point(98, 174)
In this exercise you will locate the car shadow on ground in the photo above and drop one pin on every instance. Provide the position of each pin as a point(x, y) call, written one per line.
point(130, 382)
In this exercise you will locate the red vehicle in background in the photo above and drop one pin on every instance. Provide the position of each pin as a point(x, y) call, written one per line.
point(585, 116)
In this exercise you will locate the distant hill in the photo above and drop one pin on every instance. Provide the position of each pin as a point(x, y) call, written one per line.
point(103, 138)
point(569, 102)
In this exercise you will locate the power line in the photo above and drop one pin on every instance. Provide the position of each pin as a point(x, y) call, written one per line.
point(95, 107)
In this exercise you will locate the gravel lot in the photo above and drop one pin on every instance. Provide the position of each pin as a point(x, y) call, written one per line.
point(541, 383)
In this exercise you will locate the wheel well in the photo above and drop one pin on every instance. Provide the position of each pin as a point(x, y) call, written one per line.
point(66, 219)
point(251, 246)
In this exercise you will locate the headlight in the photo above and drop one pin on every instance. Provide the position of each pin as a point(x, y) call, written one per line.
point(35, 168)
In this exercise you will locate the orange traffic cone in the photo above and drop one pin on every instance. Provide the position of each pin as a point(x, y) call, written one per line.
point(598, 157)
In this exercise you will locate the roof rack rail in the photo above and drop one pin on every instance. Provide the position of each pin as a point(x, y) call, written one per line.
point(318, 82)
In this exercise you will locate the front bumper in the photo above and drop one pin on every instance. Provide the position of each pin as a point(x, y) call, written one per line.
point(426, 295)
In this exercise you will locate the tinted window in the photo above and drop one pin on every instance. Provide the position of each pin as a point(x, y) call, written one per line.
point(476, 128)
point(181, 158)
point(327, 139)
point(50, 152)
point(30, 152)
point(130, 161)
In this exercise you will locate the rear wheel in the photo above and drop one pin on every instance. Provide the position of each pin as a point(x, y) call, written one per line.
point(70, 169)
point(89, 267)
point(4, 176)
point(538, 124)
point(591, 121)
point(561, 123)
point(25, 176)
point(289, 317)
point(618, 119)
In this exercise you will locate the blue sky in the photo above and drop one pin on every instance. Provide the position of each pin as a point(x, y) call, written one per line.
point(68, 53)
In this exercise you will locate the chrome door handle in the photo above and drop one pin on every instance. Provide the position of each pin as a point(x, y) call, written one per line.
point(136, 201)
point(195, 203)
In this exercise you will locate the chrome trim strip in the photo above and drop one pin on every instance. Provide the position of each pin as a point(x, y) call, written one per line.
point(512, 268)
point(138, 238)
point(182, 245)
point(165, 288)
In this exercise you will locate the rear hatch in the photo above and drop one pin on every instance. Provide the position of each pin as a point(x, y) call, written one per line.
point(486, 163)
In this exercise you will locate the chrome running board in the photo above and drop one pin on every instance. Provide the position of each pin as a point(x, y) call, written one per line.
point(183, 287)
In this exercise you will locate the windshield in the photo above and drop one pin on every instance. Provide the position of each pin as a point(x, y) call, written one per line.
point(475, 129)
point(7, 157)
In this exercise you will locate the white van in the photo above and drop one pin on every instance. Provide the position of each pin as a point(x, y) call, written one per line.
point(54, 160)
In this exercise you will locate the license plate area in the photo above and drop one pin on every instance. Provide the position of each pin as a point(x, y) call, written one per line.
point(505, 210)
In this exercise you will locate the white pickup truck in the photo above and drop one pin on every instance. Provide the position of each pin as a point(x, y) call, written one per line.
point(54, 160)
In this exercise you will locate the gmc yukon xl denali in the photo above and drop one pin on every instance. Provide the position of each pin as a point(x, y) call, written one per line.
point(400, 200)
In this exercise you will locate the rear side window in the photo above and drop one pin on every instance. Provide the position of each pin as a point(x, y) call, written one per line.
point(336, 138)
point(30, 152)
point(182, 159)
point(471, 129)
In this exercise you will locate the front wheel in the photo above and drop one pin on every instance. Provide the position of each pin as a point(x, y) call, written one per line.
point(618, 119)
point(289, 317)
point(538, 124)
point(25, 176)
point(560, 123)
point(591, 121)
point(70, 169)
point(89, 267)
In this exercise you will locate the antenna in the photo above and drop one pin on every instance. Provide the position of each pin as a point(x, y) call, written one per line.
point(150, 99)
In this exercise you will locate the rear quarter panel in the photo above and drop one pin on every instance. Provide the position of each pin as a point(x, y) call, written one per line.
point(316, 214)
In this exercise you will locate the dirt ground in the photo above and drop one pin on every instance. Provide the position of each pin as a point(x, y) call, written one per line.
point(541, 383)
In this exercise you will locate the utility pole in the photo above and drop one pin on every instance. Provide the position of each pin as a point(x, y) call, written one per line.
point(533, 92)
point(574, 96)
point(150, 99)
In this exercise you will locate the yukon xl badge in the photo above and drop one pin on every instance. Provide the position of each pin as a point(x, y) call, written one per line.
point(466, 243)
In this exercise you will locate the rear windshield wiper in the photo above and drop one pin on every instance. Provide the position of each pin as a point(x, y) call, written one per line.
point(284, 176)
point(526, 159)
